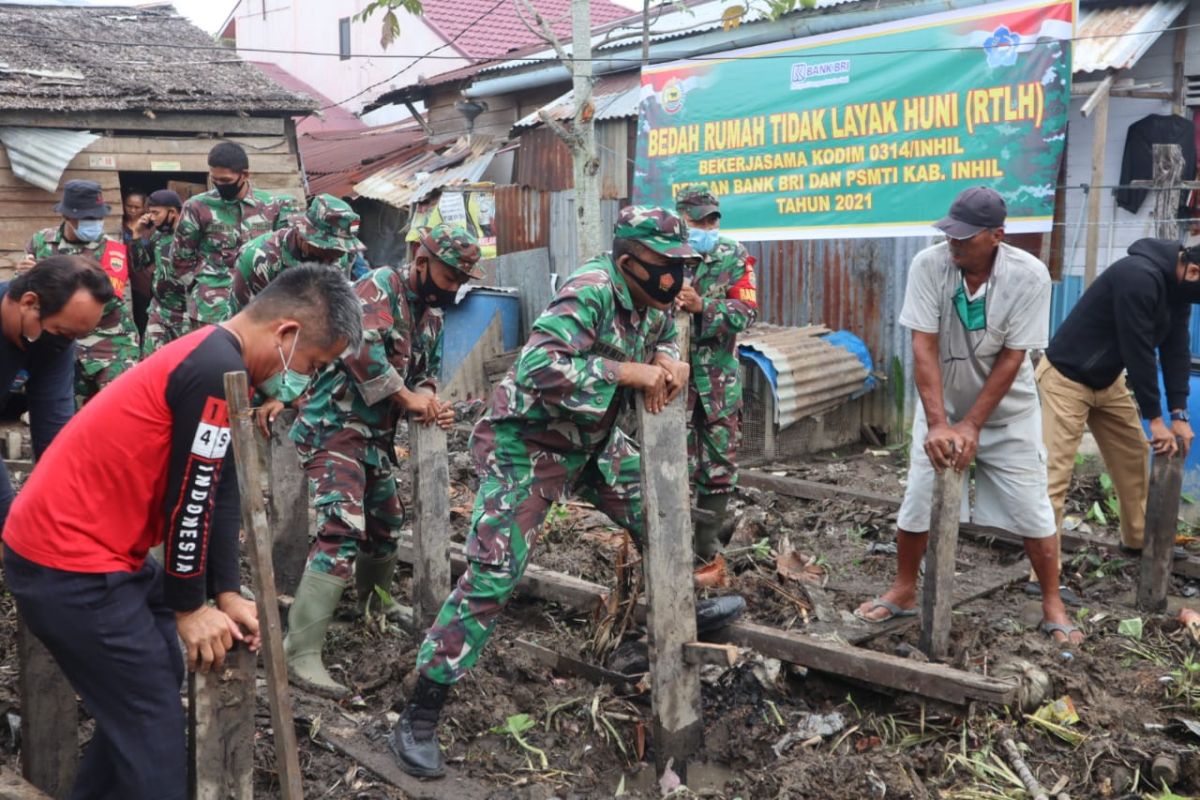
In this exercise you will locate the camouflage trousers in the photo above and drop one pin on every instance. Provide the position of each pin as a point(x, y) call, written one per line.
point(88, 385)
point(162, 326)
point(356, 503)
point(712, 446)
point(519, 483)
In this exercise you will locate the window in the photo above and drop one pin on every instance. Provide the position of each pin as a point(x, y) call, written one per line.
point(344, 37)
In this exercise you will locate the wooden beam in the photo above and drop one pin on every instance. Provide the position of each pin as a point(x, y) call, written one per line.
point(377, 760)
point(702, 653)
point(1167, 172)
point(1096, 194)
point(943, 683)
point(574, 666)
point(217, 124)
point(937, 597)
point(1179, 87)
point(221, 709)
point(667, 569)
point(1162, 523)
point(813, 490)
point(431, 521)
point(49, 718)
point(1098, 95)
point(287, 505)
point(258, 535)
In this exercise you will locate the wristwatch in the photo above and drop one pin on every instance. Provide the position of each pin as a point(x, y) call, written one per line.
point(1180, 416)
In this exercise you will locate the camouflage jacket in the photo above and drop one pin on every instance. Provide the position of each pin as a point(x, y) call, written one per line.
point(725, 282)
point(115, 339)
point(264, 257)
point(561, 394)
point(402, 346)
point(207, 240)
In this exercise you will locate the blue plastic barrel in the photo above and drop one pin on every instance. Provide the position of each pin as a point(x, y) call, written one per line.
point(467, 322)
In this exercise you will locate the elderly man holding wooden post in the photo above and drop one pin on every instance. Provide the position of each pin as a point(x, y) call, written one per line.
point(550, 431)
point(976, 306)
point(147, 461)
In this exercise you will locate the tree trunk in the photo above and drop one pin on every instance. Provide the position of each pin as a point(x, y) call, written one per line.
point(583, 151)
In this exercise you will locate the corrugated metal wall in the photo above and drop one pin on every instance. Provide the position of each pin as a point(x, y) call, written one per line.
point(855, 285)
point(564, 247)
point(522, 219)
point(544, 161)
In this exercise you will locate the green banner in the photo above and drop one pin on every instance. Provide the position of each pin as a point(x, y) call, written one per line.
point(867, 132)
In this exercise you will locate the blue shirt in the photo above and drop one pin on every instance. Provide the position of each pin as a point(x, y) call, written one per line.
point(50, 391)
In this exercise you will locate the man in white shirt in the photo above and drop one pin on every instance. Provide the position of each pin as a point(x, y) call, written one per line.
point(976, 306)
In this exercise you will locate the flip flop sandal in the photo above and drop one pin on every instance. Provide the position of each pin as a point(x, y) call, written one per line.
point(1069, 598)
point(1051, 628)
point(894, 611)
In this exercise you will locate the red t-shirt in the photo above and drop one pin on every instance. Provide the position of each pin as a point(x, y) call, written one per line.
point(145, 461)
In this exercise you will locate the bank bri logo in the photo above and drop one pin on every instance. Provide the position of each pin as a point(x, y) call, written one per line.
point(826, 73)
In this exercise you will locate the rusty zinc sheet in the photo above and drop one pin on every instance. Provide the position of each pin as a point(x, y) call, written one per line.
point(1114, 37)
point(812, 375)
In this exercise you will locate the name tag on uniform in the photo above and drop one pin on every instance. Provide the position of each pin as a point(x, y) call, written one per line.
point(212, 434)
point(609, 351)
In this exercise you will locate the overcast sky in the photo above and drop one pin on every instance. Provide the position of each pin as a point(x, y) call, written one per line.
point(208, 14)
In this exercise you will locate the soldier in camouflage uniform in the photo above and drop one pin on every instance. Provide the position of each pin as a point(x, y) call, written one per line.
point(151, 256)
point(723, 300)
point(213, 227)
point(112, 348)
point(325, 235)
point(345, 431)
point(551, 431)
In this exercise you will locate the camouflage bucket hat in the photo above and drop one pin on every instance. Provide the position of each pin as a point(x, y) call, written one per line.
point(454, 246)
point(657, 228)
point(332, 225)
point(695, 202)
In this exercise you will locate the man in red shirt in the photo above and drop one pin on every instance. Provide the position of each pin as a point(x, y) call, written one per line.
point(148, 461)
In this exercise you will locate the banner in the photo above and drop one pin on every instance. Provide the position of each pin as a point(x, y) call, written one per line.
point(867, 132)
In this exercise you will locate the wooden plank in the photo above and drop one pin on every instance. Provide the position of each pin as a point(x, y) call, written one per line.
point(812, 490)
point(667, 567)
point(254, 522)
point(14, 787)
point(719, 655)
point(455, 786)
point(469, 378)
point(217, 124)
point(156, 162)
point(49, 718)
point(165, 145)
point(937, 597)
point(1162, 523)
point(574, 666)
point(221, 709)
point(287, 505)
point(1096, 194)
point(936, 681)
point(1168, 171)
point(431, 520)
point(943, 683)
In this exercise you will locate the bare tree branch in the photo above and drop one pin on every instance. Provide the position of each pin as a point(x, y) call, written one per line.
point(546, 32)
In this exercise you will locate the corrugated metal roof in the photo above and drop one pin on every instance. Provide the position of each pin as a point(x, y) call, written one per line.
point(334, 161)
point(614, 96)
point(40, 155)
point(1115, 37)
point(402, 185)
point(812, 375)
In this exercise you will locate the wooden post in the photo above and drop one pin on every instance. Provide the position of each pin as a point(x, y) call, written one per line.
point(937, 597)
point(49, 718)
point(674, 683)
point(287, 505)
point(1168, 174)
point(254, 522)
point(1162, 515)
point(221, 729)
point(1099, 142)
point(431, 520)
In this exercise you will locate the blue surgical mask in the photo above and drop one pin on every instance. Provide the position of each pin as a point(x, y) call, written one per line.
point(90, 230)
point(288, 385)
point(703, 241)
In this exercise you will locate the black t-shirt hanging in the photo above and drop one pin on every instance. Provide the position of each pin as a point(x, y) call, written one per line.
point(1138, 162)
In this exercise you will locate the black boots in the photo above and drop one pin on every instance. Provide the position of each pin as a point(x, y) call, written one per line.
point(714, 613)
point(414, 739)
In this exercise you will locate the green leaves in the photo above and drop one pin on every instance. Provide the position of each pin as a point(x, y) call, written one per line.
point(514, 726)
point(390, 29)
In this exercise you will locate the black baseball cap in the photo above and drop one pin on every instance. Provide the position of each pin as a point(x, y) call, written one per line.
point(164, 198)
point(976, 209)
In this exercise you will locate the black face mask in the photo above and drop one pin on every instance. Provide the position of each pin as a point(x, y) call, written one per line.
point(434, 295)
point(168, 225)
point(230, 191)
point(52, 343)
point(659, 290)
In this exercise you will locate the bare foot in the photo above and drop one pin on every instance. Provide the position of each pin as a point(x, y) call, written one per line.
point(902, 596)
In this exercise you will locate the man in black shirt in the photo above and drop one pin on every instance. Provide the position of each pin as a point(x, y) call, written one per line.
point(1139, 305)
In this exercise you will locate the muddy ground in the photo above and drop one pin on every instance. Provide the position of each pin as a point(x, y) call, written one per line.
point(771, 730)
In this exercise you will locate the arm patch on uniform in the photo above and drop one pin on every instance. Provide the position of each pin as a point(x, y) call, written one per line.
point(191, 519)
point(745, 290)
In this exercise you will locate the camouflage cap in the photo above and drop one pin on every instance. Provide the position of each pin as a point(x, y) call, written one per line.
point(331, 225)
point(657, 228)
point(454, 246)
point(696, 202)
